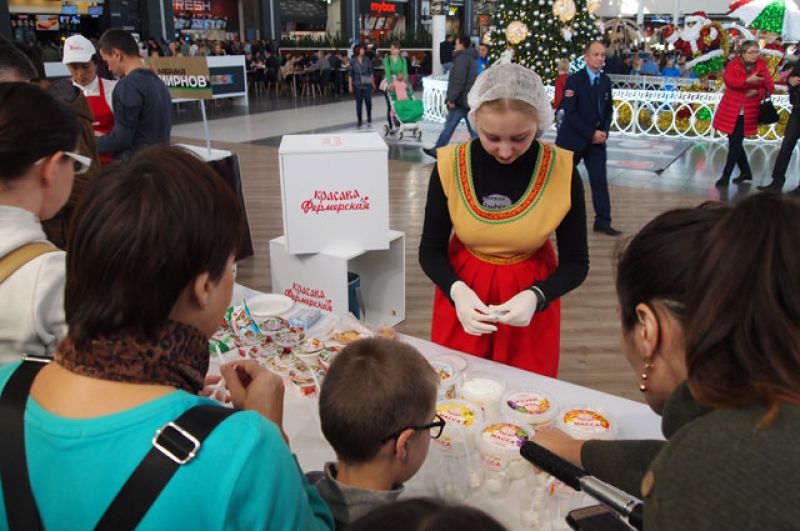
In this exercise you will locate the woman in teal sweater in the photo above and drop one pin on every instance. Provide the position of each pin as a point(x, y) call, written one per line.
point(149, 277)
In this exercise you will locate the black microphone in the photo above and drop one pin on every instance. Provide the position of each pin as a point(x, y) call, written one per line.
point(579, 479)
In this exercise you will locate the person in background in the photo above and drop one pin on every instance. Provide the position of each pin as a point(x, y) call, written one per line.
point(669, 69)
point(747, 81)
point(217, 49)
point(459, 83)
point(652, 303)
point(37, 167)
point(446, 49)
point(382, 442)
point(186, 48)
point(362, 82)
point(79, 56)
point(141, 303)
point(337, 63)
point(15, 66)
point(614, 62)
point(426, 66)
point(790, 135)
point(736, 466)
point(142, 103)
point(650, 66)
point(627, 64)
point(424, 514)
point(399, 87)
point(636, 66)
point(393, 65)
point(588, 109)
point(561, 81)
point(483, 58)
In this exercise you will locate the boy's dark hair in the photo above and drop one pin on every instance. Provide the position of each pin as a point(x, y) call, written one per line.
point(119, 39)
point(375, 387)
point(15, 65)
point(425, 514)
point(143, 231)
point(464, 40)
point(33, 125)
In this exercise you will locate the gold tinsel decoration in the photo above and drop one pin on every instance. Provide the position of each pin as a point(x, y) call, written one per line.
point(565, 10)
point(516, 32)
point(592, 6)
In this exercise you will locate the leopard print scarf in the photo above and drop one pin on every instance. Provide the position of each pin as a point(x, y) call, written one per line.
point(178, 356)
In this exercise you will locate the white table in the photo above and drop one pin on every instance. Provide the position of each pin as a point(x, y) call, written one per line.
point(301, 423)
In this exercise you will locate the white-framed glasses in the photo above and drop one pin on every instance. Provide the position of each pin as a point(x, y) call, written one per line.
point(80, 163)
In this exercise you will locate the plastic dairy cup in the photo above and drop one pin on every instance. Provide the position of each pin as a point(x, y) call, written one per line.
point(484, 389)
point(462, 420)
point(528, 406)
point(282, 363)
point(587, 422)
point(448, 375)
point(306, 380)
point(499, 441)
point(308, 351)
point(326, 356)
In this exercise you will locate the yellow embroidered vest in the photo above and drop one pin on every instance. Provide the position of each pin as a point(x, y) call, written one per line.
point(511, 234)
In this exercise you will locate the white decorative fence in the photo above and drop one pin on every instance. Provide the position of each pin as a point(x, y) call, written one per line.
point(653, 113)
point(649, 82)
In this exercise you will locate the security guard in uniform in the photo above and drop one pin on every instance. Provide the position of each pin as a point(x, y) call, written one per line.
point(588, 108)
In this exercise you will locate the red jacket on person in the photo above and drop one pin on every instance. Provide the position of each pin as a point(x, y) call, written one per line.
point(560, 82)
point(734, 97)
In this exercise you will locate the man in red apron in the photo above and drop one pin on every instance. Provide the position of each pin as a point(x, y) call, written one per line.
point(79, 56)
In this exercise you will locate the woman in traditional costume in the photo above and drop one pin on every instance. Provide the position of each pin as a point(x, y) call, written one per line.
point(493, 204)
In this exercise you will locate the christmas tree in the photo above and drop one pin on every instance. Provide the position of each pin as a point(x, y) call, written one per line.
point(541, 32)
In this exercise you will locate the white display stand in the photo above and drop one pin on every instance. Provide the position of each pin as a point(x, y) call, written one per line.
point(320, 280)
point(206, 154)
point(335, 193)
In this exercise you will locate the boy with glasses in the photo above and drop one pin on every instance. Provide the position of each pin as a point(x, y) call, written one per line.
point(376, 408)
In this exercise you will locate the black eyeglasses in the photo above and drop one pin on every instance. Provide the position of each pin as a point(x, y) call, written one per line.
point(436, 427)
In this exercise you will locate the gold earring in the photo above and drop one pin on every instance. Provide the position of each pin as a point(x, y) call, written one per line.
point(643, 385)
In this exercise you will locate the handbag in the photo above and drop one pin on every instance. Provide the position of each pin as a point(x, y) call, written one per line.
point(767, 113)
point(174, 444)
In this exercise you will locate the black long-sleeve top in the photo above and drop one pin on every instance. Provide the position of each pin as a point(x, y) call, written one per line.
point(507, 183)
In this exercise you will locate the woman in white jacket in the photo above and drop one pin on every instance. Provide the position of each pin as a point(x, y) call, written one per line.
point(37, 168)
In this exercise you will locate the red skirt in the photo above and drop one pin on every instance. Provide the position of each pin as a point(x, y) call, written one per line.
point(534, 347)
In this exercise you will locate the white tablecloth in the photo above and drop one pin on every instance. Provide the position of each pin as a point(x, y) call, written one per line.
point(635, 421)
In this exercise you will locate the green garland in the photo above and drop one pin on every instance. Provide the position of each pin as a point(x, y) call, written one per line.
point(715, 64)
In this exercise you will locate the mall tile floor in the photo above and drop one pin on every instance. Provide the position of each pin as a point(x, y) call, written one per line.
point(267, 118)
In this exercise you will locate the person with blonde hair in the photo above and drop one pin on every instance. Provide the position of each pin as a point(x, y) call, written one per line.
point(502, 196)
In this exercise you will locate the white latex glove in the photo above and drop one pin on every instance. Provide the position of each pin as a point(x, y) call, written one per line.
point(518, 310)
point(471, 311)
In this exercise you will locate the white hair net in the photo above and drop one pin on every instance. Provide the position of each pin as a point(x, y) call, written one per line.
point(511, 82)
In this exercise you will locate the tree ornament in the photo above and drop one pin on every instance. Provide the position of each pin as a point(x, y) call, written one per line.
point(567, 34)
point(516, 32)
point(592, 6)
point(564, 9)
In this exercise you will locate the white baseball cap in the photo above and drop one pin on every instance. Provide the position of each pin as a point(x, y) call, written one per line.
point(78, 49)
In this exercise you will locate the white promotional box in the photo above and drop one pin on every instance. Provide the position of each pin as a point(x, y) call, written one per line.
point(335, 192)
point(320, 280)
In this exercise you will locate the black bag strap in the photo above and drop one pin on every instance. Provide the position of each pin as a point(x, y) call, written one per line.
point(174, 444)
point(21, 510)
